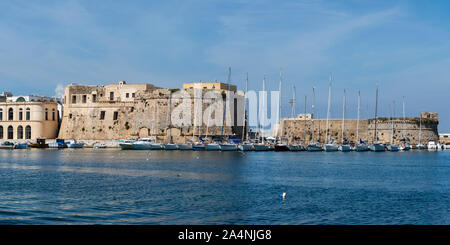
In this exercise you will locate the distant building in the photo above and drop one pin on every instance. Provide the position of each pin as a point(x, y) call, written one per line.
point(444, 139)
point(211, 85)
point(27, 118)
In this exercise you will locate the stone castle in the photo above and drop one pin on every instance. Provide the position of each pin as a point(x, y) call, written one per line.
point(294, 129)
point(119, 111)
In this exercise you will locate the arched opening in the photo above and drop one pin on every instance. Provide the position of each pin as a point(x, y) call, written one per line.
point(20, 99)
point(20, 132)
point(1, 114)
point(20, 114)
point(28, 114)
point(46, 114)
point(27, 132)
point(1, 132)
point(53, 115)
point(10, 133)
point(11, 114)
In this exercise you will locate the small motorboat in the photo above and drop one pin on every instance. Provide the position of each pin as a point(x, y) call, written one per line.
point(420, 147)
point(23, 145)
point(7, 145)
point(74, 144)
point(127, 144)
point(101, 146)
point(316, 146)
point(170, 147)
point(157, 146)
point(58, 144)
point(40, 143)
point(143, 144)
point(198, 146)
point(405, 147)
point(331, 147)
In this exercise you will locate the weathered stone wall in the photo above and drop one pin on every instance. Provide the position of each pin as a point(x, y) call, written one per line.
point(295, 129)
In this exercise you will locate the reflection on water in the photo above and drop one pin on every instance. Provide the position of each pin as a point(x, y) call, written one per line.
point(109, 186)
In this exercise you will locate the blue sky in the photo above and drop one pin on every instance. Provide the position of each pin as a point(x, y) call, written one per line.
point(402, 44)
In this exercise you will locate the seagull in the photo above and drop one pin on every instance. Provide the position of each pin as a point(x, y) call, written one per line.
point(283, 195)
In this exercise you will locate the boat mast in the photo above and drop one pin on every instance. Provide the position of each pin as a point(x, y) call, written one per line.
point(420, 129)
point(225, 103)
point(367, 128)
point(263, 100)
point(357, 122)
point(279, 106)
point(170, 117)
point(328, 112)
point(376, 116)
point(312, 114)
point(244, 133)
point(343, 119)
point(292, 102)
point(404, 122)
point(392, 121)
point(304, 130)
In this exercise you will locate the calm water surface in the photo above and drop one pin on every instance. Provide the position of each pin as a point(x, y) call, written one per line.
point(109, 186)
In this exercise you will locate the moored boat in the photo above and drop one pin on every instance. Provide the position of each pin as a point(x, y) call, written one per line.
point(74, 144)
point(314, 147)
point(185, 147)
point(170, 147)
point(40, 143)
point(7, 145)
point(345, 148)
point(296, 147)
point(362, 147)
point(260, 147)
point(198, 146)
point(143, 144)
point(377, 147)
point(392, 147)
point(246, 146)
point(281, 147)
point(331, 147)
point(127, 144)
point(212, 147)
point(23, 145)
point(228, 147)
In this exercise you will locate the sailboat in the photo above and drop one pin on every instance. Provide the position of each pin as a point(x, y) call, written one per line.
point(170, 146)
point(331, 145)
point(376, 145)
point(405, 145)
point(261, 146)
point(344, 147)
point(362, 146)
point(227, 146)
point(245, 145)
point(280, 146)
point(392, 146)
point(420, 146)
point(294, 146)
point(154, 144)
point(314, 145)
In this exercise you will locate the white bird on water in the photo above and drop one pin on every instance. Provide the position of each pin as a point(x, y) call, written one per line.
point(283, 195)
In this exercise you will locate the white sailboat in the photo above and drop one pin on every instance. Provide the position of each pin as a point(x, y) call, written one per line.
point(246, 145)
point(227, 146)
point(392, 146)
point(261, 146)
point(420, 146)
point(344, 147)
point(405, 145)
point(362, 146)
point(295, 146)
point(170, 146)
point(376, 145)
point(331, 145)
point(154, 144)
point(314, 145)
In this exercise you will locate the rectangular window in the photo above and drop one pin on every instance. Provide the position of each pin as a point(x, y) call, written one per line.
point(74, 99)
point(133, 95)
point(84, 99)
point(94, 97)
point(116, 115)
point(127, 95)
point(20, 115)
point(46, 116)
point(102, 115)
point(28, 115)
point(111, 96)
point(1, 115)
point(53, 115)
point(70, 115)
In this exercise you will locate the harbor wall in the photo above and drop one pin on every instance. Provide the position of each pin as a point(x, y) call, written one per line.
point(294, 130)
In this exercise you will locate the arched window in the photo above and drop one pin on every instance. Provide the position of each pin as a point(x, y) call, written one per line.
point(46, 114)
point(10, 114)
point(28, 114)
point(53, 115)
point(27, 132)
point(20, 114)
point(1, 114)
point(20, 99)
point(20, 132)
point(1, 132)
point(10, 133)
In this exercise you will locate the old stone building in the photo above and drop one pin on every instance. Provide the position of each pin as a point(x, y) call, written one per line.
point(119, 111)
point(27, 118)
point(294, 129)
